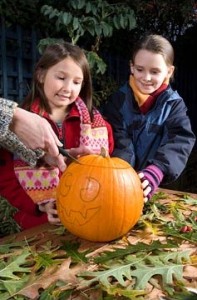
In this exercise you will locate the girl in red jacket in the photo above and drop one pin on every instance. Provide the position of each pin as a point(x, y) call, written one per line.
point(62, 93)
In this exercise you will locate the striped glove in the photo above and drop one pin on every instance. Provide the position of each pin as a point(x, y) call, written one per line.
point(151, 178)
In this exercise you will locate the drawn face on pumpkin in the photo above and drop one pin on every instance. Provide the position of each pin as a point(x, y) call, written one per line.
point(100, 198)
point(85, 202)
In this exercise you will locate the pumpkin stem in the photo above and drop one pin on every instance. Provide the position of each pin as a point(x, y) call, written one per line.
point(103, 152)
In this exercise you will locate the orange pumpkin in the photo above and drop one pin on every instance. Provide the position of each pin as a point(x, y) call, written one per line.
point(100, 199)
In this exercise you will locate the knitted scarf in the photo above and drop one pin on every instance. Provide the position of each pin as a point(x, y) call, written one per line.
point(40, 182)
point(93, 134)
point(146, 101)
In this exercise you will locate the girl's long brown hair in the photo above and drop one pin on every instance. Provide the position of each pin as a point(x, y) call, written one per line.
point(52, 55)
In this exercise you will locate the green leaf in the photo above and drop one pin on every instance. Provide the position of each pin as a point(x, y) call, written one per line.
point(53, 13)
point(75, 23)
point(127, 292)
point(132, 21)
point(96, 62)
point(166, 267)
point(46, 9)
point(98, 30)
point(11, 246)
point(12, 286)
point(13, 266)
point(107, 29)
point(122, 22)
point(65, 18)
point(189, 200)
point(116, 22)
point(143, 274)
point(88, 8)
point(43, 260)
point(119, 253)
point(169, 230)
point(72, 251)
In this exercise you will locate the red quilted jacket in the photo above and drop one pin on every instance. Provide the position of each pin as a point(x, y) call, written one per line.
point(28, 214)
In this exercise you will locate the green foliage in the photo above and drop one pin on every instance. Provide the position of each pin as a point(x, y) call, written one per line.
point(73, 252)
point(101, 25)
point(104, 87)
point(97, 18)
point(56, 265)
point(18, 11)
point(96, 62)
point(14, 266)
point(141, 268)
point(140, 247)
point(92, 21)
point(169, 18)
point(7, 223)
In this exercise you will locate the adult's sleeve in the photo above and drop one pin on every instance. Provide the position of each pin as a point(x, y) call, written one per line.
point(6, 114)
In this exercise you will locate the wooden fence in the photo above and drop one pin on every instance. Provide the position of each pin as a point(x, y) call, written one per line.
point(18, 54)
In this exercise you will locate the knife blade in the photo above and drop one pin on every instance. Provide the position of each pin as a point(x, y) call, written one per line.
point(65, 153)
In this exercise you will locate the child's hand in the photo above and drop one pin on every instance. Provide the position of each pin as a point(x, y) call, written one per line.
point(50, 209)
point(151, 178)
point(145, 186)
point(80, 151)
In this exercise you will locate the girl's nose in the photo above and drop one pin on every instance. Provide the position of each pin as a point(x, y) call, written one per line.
point(147, 76)
point(67, 85)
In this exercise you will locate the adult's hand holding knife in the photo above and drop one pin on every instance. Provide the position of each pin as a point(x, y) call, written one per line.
point(65, 153)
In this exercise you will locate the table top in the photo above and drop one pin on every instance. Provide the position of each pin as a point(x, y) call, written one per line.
point(156, 259)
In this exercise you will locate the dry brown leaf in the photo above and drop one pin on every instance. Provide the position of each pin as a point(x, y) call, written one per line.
point(50, 276)
point(190, 272)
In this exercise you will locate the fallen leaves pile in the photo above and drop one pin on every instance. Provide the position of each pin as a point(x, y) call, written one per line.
point(157, 259)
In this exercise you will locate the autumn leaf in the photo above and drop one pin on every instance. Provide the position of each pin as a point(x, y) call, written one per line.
point(71, 249)
point(128, 292)
point(165, 265)
point(12, 286)
point(11, 245)
point(13, 266)
point(63, 273)
point(53, 264)
point(119, 253)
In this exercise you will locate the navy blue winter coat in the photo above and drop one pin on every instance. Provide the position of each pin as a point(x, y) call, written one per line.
point(163, 136)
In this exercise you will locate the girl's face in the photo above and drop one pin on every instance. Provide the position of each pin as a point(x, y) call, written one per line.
point(62, 83)
point(150, 70)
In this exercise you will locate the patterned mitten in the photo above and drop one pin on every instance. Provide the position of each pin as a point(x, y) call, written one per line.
point(154, 177)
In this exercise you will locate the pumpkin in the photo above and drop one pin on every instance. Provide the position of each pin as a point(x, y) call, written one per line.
point(100, 198)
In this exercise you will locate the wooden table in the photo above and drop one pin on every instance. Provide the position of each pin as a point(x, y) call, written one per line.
point(48, 261)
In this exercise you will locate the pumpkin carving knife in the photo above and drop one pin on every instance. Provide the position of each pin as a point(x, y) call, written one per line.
point(65, 153)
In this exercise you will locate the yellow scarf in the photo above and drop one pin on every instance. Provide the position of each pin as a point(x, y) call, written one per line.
point(146, 101)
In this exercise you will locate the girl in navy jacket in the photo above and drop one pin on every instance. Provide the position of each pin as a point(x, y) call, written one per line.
point(149, 119)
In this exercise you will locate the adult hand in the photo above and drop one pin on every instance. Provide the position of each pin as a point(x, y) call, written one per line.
point(35, 132)
point(58, 161)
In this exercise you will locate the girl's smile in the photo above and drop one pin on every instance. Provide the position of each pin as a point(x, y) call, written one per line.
point(150, 71)
point(62, 83)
